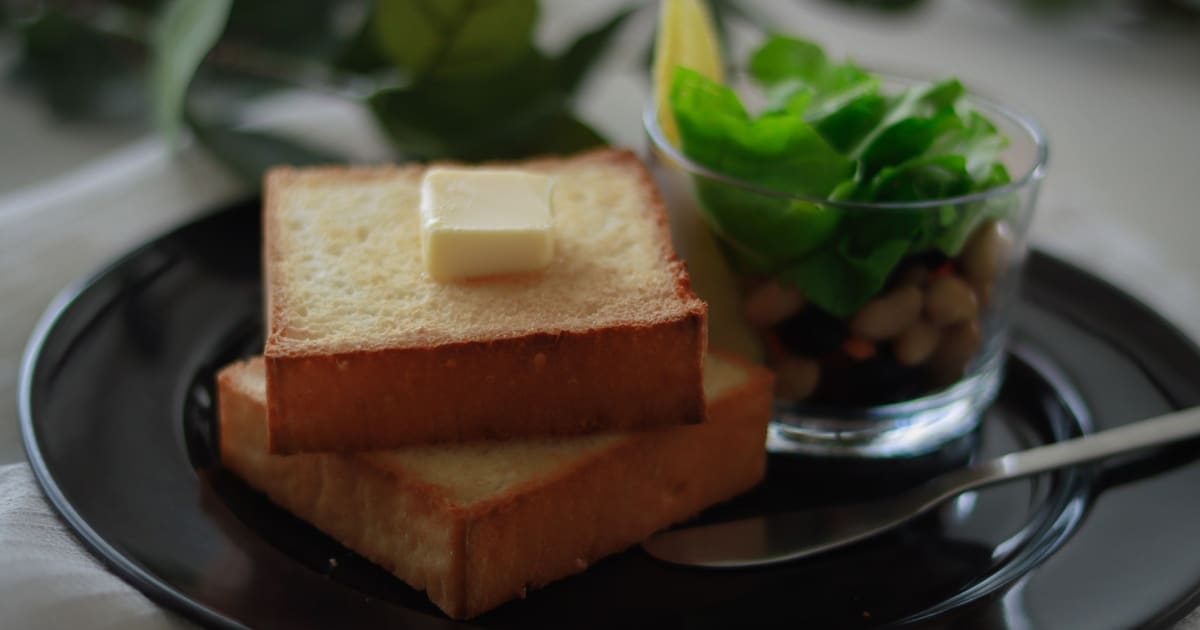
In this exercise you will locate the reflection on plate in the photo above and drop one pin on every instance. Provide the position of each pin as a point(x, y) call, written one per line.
point(117, 405)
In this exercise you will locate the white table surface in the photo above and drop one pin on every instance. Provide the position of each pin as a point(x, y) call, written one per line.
point(1121, 103)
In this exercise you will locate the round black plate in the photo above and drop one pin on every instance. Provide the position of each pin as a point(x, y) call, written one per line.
point(117, 402)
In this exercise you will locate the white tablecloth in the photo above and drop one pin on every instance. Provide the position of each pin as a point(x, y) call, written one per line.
point(48, 581)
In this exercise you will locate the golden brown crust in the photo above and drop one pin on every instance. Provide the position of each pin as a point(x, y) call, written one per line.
point(607, 379)
point(396, 521)
point(473, 558)
point(618, 377)
point(615, 499)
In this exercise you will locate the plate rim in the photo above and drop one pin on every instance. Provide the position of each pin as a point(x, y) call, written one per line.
point(126, 568)
point(162, 593)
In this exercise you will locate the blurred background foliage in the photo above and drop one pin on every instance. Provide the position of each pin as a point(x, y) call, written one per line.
point(456, 79)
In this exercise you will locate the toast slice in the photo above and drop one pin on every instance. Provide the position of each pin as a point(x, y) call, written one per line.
point(610, 336)
point(476, 524)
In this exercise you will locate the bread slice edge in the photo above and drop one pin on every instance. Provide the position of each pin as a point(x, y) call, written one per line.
point(471, 558)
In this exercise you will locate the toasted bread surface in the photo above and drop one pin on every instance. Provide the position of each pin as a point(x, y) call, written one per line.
point(610, 335)
point(476, 524)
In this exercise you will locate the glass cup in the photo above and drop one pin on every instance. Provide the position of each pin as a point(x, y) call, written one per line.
point(915, 365)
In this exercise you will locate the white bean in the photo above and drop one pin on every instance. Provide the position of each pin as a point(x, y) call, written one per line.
point(796, 378)
point(950, 300)
point(981, 259)
point(888, 315)
point(771, 303)
point(958, 346)
point(915, 344)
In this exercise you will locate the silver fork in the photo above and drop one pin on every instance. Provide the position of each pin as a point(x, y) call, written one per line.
point(777, 538)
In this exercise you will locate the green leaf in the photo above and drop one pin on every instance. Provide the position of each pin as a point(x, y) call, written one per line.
point(847, 125)
point(787, 59)
point(770, 231)
point(967, 217)
point(453, 38)
point(186, 30)
point(853, 265)
point(830, 132)
point(791, 96)
point(923, 178)
point(960, 160)
point(921, 101)
point(451, 118)
point(957, 139)
point(563, 133)
point(250, 153)
point(303, 28)
point(841, 281)
point(77, 71)
point(776, 150)
point(577, 61)
point(399, 111)
point(360, 53)
point(840, 100)
point(782, 58)
point(937, 96)
point(523, 113)
point(426, 125)
point(905, 139)
point(977, 140)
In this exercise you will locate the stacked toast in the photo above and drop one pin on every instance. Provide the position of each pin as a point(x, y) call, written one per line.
point(481, 437)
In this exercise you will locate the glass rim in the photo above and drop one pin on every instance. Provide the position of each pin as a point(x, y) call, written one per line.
point(1026, 123)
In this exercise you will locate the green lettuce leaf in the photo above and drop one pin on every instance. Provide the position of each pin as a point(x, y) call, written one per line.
point(961, 159)
point(769, 231)
point(917, 103)
point(792, 68)
point(840, 280)
point(782, 58)
point(829, 131)
point(967, 217)
point(846, 126)
point(775, 150)
point(922, 177)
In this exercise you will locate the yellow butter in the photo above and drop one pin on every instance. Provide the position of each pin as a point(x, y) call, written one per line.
point(485, 222)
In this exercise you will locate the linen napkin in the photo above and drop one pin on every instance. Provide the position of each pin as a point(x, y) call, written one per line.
point(47, 578)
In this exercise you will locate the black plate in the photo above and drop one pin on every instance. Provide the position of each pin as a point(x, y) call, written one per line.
point(117, 402)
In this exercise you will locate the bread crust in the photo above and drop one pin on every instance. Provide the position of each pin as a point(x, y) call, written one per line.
point(536, 385)
point(618, 377)
point(349, 499)
point(606, 503)
point(472, 558)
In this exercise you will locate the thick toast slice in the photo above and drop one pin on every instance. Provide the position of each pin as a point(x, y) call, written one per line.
point(474, 525)
point(609, 337)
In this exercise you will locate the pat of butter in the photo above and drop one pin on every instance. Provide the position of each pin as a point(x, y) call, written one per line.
point(481, 222)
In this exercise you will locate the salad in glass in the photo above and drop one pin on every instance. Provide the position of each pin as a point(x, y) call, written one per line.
point(875, 228)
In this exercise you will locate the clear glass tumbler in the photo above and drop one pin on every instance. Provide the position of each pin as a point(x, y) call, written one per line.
point(916, 365)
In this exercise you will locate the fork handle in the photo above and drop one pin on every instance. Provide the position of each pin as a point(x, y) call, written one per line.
point(1131, 437)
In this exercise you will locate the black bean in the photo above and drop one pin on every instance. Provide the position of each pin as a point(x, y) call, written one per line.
point(811, 333)
point(882, 379)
